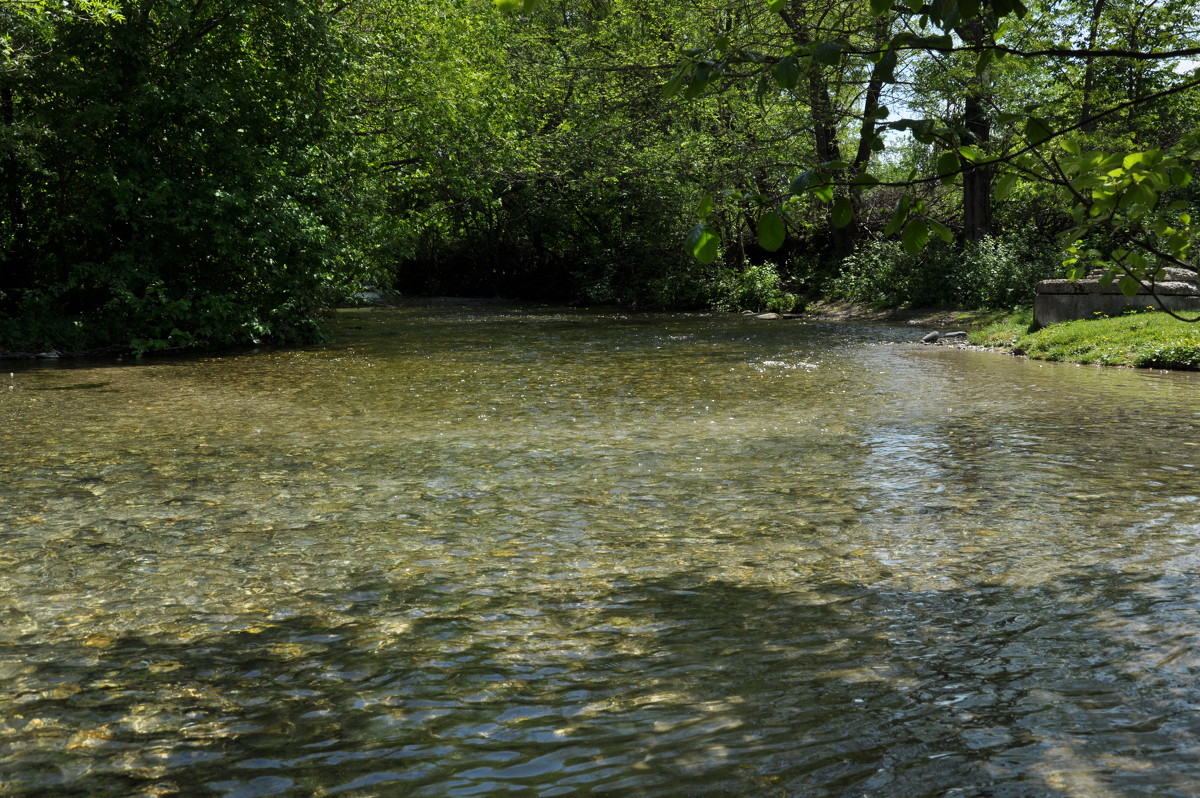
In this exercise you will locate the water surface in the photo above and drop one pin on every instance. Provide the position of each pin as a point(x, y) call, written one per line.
point(483, 549)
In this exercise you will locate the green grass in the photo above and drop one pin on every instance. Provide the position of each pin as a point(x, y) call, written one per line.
point(1004, 330)
point(1149, 339)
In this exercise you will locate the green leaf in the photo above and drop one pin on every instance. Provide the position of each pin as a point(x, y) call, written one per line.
point(801, 182)
point(1128, 285)
point(776, 5)
point(984, 61)
point(948, 165)
point(771, 231)
point(699, 81)
point(677, 82)
point(899, 215)
point(843, 212)
point(702, 243)
point(1005, 186)
point(706, 206)
point(968, 8)
point(823, 192)
point(1037, 130)
point(787, 72)
point(864, 179)
point(886, 70)
point(764, 86)
point(941, 231)
point(970, 153)
point(880, 7)
point(827, 53)
point(922, 131)
point(915, 236)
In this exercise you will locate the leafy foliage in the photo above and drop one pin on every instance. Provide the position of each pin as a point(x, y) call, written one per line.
point(995, 272)
point(174, 178)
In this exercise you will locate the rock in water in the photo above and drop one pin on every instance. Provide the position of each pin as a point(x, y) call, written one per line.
point(932, 338)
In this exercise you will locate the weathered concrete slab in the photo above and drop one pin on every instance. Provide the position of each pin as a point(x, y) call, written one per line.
point(1067, 300)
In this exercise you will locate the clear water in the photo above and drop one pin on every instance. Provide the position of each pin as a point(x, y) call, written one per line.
point(479, 550)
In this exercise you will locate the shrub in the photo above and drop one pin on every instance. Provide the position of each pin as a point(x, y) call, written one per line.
point(996, 272)
point(754, 286)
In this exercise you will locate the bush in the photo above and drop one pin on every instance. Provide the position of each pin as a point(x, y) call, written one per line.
point(996, 272)
point(754, 286)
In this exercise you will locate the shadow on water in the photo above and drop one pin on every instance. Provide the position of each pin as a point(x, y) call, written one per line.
point(548, 553)
point(670, 686)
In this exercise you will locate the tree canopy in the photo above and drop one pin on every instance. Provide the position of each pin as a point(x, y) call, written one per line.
point(178, 174)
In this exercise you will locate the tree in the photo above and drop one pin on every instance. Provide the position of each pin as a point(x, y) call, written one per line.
point(1125, 200)
point(174, 176)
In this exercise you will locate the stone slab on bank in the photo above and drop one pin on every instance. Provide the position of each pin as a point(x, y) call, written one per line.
point(1066, 300)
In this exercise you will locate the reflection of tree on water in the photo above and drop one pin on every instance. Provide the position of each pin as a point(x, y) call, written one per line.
point(678, 685)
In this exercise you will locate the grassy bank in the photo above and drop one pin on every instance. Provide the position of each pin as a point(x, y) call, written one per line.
point(1149, 339)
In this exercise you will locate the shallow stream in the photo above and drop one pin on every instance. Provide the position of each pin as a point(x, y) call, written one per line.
point(479, 549)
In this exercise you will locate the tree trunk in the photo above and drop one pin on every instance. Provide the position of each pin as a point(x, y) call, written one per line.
point(976, 131)
point(977, 180)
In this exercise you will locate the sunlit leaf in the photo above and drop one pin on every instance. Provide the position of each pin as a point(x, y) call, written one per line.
point(1128, 285)
point(948, 165)
point(515, 6)
point(941, 231)
point(1005, 185)
point(899, 215)
point(703, 243)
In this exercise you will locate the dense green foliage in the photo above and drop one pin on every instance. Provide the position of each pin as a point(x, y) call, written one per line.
point(173, 178)
point(993, 272)
point(209, 173)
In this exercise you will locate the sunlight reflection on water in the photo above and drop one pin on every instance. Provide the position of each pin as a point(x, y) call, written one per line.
point(468, 550)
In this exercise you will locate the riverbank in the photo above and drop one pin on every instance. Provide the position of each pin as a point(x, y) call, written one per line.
point(932, 318)
point(1146, 339)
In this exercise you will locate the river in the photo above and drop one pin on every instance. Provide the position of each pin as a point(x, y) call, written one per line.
point(485, 549)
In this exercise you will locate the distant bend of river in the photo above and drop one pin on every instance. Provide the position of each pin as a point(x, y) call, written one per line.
point(486, 549)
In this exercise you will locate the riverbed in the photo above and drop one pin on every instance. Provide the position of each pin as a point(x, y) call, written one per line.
point(485, 549)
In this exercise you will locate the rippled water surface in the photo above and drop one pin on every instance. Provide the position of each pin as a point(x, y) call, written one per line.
point(480, 549)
